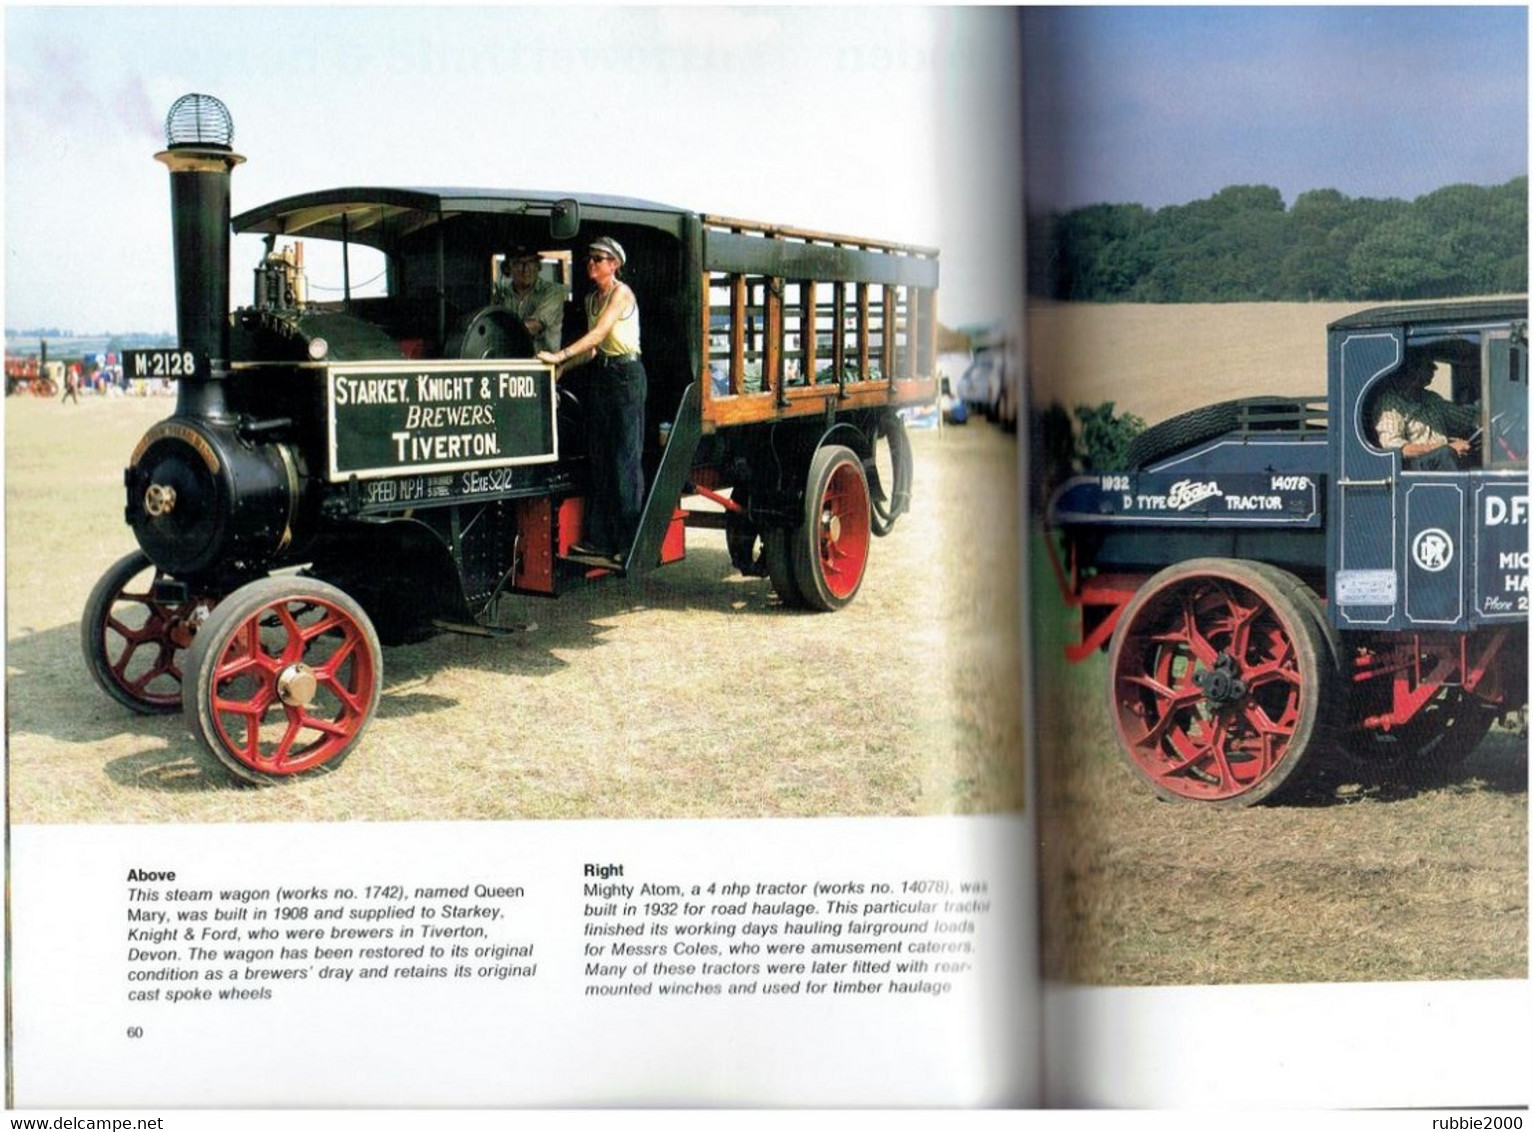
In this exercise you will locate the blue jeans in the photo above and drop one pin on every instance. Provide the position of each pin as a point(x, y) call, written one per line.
point(615, 445)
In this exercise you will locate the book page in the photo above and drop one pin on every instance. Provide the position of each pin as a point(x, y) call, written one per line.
point(348, 767)
point(1283, 681)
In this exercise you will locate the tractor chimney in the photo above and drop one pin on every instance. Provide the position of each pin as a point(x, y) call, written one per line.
point(198, 133)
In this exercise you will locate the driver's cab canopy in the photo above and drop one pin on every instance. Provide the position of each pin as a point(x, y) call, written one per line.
point(1474, 357)
point(418, 264)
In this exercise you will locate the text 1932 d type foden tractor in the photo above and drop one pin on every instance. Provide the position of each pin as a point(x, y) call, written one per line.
point(376, 467)
point(1276, 584)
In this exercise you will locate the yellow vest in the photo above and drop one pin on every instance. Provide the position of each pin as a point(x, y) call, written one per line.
point(624, 336)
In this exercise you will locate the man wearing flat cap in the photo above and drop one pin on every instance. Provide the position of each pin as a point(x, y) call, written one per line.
point(1426, 429)
point(615, 428)
point(538, 302)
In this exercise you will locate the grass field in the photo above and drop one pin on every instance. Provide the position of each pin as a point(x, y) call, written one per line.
point(691, 695)
point(1158, 361)
point(1367, 880)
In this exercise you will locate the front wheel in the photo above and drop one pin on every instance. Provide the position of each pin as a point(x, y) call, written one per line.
point(284, 677)
point(135, 643)
point(1222, 688)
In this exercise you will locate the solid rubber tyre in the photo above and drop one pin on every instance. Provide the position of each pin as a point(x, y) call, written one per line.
point(1222, 688)
point(1204, 423)
point(284, 677)
point(777, 556)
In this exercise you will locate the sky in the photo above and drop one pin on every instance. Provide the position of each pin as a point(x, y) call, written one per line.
point(900, 123)
point(1160, 106)
point(894, 123)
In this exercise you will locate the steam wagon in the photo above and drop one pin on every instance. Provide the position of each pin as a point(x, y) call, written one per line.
point(1279, 581)
point(366, 466)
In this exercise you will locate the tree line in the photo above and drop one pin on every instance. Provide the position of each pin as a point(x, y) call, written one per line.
point(1244, 244)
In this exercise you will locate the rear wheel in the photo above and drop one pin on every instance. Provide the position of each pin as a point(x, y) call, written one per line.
point(742, 538)
point(1440, 736)
point(284, 679)
point(1222, 687)
point(777, 557)
point(830, 546)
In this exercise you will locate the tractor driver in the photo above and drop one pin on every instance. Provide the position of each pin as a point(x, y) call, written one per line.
point(538, 302)
point(1419, 423)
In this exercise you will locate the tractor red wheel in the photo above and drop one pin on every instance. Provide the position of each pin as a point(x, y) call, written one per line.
point(830, 546)
point(1222, 688)
point(285, 676)
point(134, 643)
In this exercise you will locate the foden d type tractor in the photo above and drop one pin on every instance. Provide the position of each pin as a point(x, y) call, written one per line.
point(1278, 587)
point(389, 462)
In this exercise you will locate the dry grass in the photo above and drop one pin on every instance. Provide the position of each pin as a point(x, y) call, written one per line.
point(691, 695)
point(1368, 880)
point(1365, 881)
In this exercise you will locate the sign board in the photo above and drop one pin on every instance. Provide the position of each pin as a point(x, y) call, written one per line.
point(171, 364)
point(1257, 498)
point(393, 418)
point(1367, 587)
point(1501, 528)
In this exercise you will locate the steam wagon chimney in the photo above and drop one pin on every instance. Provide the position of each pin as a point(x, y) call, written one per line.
point(198, 133)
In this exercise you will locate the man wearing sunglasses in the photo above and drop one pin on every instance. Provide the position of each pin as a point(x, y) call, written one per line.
point(615, 421)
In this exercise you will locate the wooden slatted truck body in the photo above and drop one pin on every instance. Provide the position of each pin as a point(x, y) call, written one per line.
point(1276, 585)
point(400, 442)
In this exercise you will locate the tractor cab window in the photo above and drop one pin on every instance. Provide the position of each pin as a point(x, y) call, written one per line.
point(1505, 417)
point(556, 266)
point(302, 273)
point(1429, 407)
point(1443, 392)
point(1479, 384)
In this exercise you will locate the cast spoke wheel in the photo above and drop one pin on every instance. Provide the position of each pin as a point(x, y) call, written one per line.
point(830, 547)
point(134, 644)
point(1221, 684)
point(285, 676)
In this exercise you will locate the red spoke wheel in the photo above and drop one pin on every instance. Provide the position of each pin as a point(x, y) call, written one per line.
point(135, 645)
point(830, 547)
point(1222, 686)
point(285, 676)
